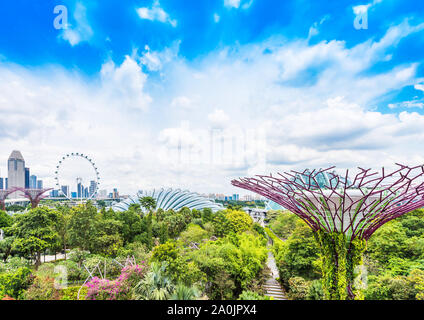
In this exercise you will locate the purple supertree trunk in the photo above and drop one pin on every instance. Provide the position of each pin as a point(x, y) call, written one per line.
point(34, 195)
point(3, 196)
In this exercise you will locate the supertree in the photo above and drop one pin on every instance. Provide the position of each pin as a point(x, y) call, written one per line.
point(342, 213)
point(3, 196)
point(34, 195)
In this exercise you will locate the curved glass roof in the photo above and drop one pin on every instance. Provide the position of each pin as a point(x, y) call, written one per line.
point(167, 199)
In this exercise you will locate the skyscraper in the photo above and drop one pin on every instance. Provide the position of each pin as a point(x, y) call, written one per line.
point(92, 187)
point(65, 190)
point(80, 190)
point(26, 178)
point(39, 184)
point(33, 182)
point(16, 170)
point(1, 184)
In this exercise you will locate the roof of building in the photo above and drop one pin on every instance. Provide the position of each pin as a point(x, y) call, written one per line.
point(16, 155)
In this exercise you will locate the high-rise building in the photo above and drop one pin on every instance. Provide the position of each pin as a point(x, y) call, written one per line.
point(6, 184)
point(54, 193)
point(39, 184)
point(33, 182)
point(65, 190)
point(26, 178)
point(1, 184)
point(16, 171)
point(80, 190)
point(92, 187)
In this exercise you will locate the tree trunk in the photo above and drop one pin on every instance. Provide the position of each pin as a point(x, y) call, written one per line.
point(37, 260)
point(340, 257)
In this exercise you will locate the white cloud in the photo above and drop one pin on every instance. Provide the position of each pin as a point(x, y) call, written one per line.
point(259, 108)
point(244, 4)
point(407, 104)
point(365, 7)
point(218, 118)
point(314, 29)
point(82, 31)
point(419, 87)
point(156, 13)
point(216, 17)
point(125, 83)
point(182, 102)
point(155, 60)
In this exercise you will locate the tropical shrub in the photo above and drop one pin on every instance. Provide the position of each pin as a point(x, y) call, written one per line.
point(182, 292)
point(42, 289)
point(155, 285)
point(14, 283)
point(284, 224)
point(298, 288)
point(251, 295)
point(71, 293)
point(193, 233)
point(238, 221)
point(119, 289)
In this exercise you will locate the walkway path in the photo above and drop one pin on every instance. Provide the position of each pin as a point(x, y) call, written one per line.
point(272, 286)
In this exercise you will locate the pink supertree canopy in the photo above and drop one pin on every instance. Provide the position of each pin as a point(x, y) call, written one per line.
point(34, 195)
point(356, 207)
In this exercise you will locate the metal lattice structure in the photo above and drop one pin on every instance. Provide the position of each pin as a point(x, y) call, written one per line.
point(356, 208)
point(34, 195)
point(3, 196)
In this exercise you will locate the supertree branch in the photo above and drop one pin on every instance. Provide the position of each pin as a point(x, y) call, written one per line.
point(342, 214)
point(356, 208)
point(3, 196)
point(34, 195)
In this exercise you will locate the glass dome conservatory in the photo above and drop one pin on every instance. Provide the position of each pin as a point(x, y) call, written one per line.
point(167, 199)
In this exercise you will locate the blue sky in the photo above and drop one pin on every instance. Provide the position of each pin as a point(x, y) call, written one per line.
point(154, 89)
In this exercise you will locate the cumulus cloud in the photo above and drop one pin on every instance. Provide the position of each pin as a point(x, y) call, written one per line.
point(50, 112)
point(125, 83)
point(155, 60)
point(156, 13)
point(256, 108)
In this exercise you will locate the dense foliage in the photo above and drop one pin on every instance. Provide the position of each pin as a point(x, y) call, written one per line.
point(141, 253)
point(392, 269)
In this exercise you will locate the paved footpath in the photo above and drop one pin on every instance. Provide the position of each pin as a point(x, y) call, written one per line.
point(52, 257)
point(272, 286)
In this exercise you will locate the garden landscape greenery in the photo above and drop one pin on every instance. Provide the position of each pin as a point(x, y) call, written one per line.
point(188, 254)
point(191, 254)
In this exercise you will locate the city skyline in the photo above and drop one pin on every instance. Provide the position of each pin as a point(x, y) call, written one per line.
point(205, 93)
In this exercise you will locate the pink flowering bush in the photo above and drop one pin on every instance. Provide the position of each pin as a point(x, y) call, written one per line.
point(119, 289)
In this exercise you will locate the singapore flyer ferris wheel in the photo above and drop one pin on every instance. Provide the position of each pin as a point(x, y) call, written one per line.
point(77, 177)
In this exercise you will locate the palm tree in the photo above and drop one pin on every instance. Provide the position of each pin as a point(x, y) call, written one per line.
point(148, 203)
point(182, 292)
point(155, 285)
